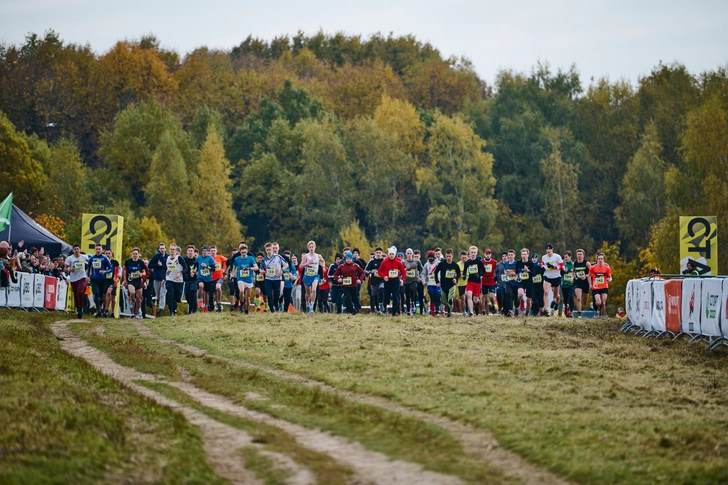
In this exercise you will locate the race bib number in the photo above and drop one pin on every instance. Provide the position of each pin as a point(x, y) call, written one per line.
point(287, 276)
point(171, 265)
point(537, 278)
point(580, 274)
point(568, 276)
point(245, 273)
point(488, 268)
point(394, 273)
point(431, 278)
point(601, 279)
point(205, 272)
point(260, 277)
point(411, 273)
point(270, 272)
point(450, 273)
point(473, 269)
point(311, 271)
point(78, 265)
point(135, 275)
point(217, 266)
point(347, 281)
point(96, 264)
point(524, 276)
point(510, 277)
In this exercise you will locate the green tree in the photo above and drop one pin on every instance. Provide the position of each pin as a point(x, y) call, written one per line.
point(20, 171)
point(214, 219)
point(129, 148)
point(206, 117)
point(642, 192)
point(66, 193)
point(168, 191)
point(458, 184)
point(560, 189)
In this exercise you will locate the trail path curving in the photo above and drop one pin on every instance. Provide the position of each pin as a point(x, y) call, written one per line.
point(370, 467)
point(475, 441)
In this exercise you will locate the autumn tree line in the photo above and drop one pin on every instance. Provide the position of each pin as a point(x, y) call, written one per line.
point(348, 140)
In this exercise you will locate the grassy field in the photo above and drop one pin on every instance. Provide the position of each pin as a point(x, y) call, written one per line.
point(62, 422)
point(573, 396)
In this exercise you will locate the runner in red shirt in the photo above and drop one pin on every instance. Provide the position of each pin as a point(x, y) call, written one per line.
point(600, 275)
point(488, 294)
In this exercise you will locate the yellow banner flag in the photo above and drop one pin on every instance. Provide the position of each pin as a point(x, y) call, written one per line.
point(699, 243)
point(107, 230)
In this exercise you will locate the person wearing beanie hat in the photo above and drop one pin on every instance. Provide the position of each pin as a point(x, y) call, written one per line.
point(350, 275)
point(537, 277)
point(336, 289)
point(433, 290)
point(392, 272)
point(413, 271)
point(376, 284)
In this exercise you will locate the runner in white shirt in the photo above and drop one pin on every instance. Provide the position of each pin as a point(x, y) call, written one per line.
point(552, 265)
point(176, 267)
point(76, 265)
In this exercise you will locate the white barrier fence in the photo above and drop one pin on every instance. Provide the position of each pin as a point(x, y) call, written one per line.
point(35, 292)
point(696, 307)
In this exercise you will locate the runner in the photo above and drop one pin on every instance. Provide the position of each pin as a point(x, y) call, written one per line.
point(420, 286)
point(567, 285)
point(581, 281)
point(205, 268)
point(245, 267)
point(488, 291)
point(447, 275)
point(392, 272)
point(112, 283)
point(462, 283)
point(537, 304)
point(433, 290)
point(349, 275)
point(510, 282)
point(524, 270)
point(273, 266)
point(500, 282)
point(133, 280)
point(311, 262)
point(474, 271)
point(174, 286)
point(324, 288)
point(218, 276)
point(600, 275)
point(190, 280)
point(290, 275)
point(552, 264)
point(261, 299)
point(233, 293)
point(336, 290)
point(376, 283)
point(413, 275)
point(77, 264)
point(99, 266)
point(158, 268)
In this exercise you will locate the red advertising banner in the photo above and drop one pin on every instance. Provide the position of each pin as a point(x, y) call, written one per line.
point(50, 293)
point(673, 300)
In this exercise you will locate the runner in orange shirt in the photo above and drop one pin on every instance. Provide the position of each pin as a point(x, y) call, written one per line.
point(600, 275)
point(218, 275)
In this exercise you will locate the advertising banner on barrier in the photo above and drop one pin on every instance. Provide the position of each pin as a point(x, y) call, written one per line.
point(38, 290)
point(673, 299)
point(710, 315)
point(645, 307)
point(724, 309)
point(104, 229)
point(14, 293)
point(3, 297)
point(49, 302)
point(70, 306)
point(629, 302)
point(61, 294)
point(658, 306)
point(691, 303)
point(26, 289)
point(699, 242)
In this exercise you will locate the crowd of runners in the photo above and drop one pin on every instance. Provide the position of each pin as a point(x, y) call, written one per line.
point(469, 283)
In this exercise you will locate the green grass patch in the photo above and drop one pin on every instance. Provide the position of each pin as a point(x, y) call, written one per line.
point(397, 436)
point(63, 422)
point(326, 469)
point(575, 396)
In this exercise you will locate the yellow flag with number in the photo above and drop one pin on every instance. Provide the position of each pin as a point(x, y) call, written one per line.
point(699, 243)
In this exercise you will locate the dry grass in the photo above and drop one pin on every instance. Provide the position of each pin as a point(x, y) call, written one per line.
point(572, 395)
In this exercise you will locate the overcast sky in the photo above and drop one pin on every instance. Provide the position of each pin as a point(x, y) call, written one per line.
point(617, 38)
